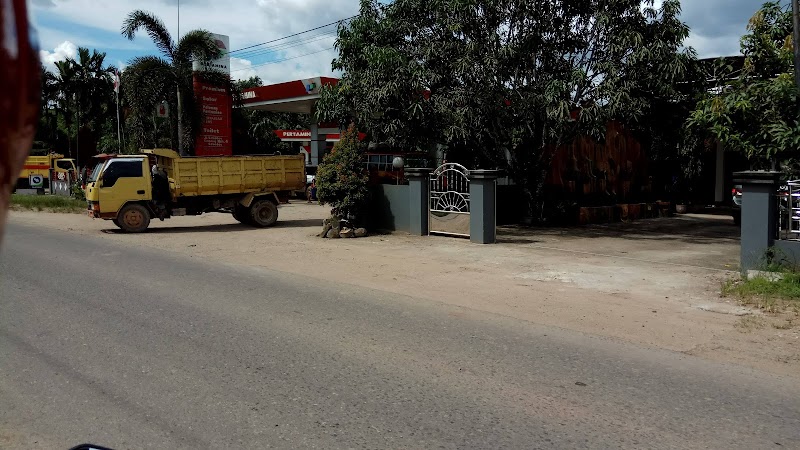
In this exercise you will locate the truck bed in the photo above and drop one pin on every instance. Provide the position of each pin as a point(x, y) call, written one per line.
point(214, 175)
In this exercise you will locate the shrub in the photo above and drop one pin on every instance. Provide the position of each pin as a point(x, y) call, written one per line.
point(77, 191)
point(342, 178)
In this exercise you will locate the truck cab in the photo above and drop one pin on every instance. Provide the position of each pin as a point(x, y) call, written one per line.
point(45, 169)
point(116, 183)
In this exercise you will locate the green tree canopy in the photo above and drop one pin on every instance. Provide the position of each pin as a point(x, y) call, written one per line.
point(503, 83)
point(77, 104)
point(153, 79)
point(756, 112)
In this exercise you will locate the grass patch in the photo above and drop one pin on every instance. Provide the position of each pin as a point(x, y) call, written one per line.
point(48, 203)
point(769, 292)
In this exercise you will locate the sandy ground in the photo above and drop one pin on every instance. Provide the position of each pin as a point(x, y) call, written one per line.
point(655, 283)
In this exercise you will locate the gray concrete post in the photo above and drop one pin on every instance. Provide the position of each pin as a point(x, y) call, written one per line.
point(483, 206)
point(419, 198)
point(317, 144)
point(759, 215)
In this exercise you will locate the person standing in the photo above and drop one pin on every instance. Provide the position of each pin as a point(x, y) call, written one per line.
point(311, 192)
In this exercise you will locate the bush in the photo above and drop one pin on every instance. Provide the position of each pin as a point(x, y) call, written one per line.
point(77, 191)
point(342, 179)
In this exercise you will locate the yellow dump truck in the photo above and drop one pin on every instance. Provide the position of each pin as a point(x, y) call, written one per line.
point(133, 189)
point(37, 171)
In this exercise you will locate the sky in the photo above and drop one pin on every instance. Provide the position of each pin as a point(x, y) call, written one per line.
point(64, 25)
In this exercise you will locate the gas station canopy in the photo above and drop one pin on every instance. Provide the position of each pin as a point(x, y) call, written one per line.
point(298, 96)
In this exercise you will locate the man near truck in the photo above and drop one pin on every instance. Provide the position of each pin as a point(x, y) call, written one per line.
point(161, 195)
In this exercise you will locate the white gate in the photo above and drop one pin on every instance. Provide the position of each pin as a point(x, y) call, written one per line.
point(449, 201)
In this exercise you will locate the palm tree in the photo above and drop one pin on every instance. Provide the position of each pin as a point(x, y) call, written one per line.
point(65, 84)
point(94, 97)
point(158, 76)
point(47, 131)
point(76, 100)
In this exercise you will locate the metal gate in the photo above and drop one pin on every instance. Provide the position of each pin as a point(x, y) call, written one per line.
point(449, 202)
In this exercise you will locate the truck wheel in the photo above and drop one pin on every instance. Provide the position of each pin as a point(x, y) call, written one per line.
point(263, 213)
point(134, 218)
point(116, 222)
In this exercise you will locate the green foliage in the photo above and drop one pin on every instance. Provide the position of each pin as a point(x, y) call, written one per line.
point(77, 191)
point(150, 80)
point(499, 82)
point(77, 105)
point(49, 203)
point(342, 178)
point(772, 291)
point(786, 286)
point(757, 112)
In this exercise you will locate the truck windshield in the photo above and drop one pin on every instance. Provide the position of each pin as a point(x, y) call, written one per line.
point(95, 173)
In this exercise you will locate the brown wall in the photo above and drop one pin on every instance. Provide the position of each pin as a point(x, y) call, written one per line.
point(589, 171)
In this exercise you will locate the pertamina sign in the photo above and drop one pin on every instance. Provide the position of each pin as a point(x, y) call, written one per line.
point(215, 135)
point(294, 134)
point(223, 63)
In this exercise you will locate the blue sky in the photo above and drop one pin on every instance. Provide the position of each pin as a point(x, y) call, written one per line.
point(63, 25)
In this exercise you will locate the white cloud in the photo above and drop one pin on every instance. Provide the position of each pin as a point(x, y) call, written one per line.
point(62, 51)
point(242, 69)
point(247, 22)
point(250, 22)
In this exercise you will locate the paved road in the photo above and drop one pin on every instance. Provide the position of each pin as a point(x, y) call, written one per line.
point(134, 348)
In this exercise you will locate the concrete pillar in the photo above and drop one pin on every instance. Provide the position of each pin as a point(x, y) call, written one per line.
point(759, 215)
point(317, 143)
point(419, 199)
point(483, 206)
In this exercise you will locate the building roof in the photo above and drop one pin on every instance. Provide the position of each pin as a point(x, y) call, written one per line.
point(297, 96)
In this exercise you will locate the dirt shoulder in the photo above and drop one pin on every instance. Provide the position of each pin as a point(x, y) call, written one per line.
point(654, 287)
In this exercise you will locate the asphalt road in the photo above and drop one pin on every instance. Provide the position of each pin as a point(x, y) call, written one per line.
point(133, 348)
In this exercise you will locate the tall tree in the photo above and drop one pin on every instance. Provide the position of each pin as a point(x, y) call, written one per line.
point(65, 84)
point(756, 112)
point(168, 77)
point(48, 135)
point(94, 98)
point(503, 83)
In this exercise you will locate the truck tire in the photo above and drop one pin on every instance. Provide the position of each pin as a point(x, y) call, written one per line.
point(263, 213)
point(116, 222)
point(134, 218)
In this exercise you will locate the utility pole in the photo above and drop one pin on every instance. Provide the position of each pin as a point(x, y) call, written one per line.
point(180, 108)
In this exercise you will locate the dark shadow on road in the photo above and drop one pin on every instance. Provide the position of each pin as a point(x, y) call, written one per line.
point(217, 228)
point(687, 228)
point(227, 227)
point(300, 223)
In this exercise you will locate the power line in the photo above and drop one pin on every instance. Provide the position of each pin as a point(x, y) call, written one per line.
point(295, 34)
point(263, 51)
point(282, 60)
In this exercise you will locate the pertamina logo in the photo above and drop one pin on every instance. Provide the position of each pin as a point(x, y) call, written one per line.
point(220, 44)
